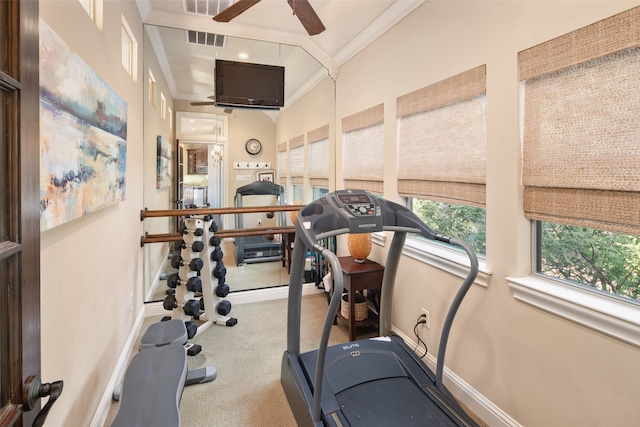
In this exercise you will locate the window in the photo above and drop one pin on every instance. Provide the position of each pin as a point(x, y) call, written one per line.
point(608, 262)
point(581, 176)
point(163, 106)
point(298, 192)
point(466, 223)
point(129, 51)
point(283, 164)
point(319, 192)
point(152, 90)
point(442, 144)
point(94, 10)
point(318, 165)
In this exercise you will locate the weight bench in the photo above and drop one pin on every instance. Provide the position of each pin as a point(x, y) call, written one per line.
point(155, 378)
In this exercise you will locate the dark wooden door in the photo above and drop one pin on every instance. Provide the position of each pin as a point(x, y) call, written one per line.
point(20, 386)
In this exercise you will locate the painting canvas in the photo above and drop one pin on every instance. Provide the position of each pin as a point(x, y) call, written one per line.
point(83, 136)
point(164, 163)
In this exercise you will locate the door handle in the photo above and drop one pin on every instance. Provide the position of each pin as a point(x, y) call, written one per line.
point(33, 390)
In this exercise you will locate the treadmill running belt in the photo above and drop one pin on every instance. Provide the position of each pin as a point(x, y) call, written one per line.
point(390, 402)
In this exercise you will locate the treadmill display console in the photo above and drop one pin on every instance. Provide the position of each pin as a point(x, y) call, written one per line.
point(360, 208)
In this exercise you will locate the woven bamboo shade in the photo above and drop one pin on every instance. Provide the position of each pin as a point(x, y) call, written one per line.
point(442, 140)
point(296, 159)
point(581, 149)
point(363, 149)
point(283, 162)
point(318, 140)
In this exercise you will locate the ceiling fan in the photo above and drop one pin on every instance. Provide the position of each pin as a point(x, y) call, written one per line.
point(227, 110)
point(198, 103)
point(301, 8)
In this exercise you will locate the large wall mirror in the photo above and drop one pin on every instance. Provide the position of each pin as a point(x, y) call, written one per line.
point(195, 152)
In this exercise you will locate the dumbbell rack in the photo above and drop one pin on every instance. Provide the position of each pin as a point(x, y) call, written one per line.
point(210, 299)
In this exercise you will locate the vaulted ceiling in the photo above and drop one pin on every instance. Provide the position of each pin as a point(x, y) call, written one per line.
point(269, 32)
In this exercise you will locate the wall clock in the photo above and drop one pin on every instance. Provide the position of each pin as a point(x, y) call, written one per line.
point(253, 146)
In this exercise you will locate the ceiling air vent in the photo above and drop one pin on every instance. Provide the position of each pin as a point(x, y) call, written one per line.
point(206, 39)
point(206, 7)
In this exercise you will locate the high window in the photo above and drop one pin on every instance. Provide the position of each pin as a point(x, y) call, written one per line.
point(129, 51)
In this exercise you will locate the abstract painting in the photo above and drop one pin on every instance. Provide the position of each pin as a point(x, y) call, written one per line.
point(83, 136)
point(163, 179)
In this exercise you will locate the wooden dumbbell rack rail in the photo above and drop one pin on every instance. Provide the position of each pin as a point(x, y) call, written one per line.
point(236, 232)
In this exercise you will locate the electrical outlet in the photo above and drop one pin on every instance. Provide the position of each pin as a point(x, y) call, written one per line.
point(131, 303)
point(427, 318)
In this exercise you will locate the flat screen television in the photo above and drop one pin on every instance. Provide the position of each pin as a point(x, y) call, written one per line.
point(243, 84)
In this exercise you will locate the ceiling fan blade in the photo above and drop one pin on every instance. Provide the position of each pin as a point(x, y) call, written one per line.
point(307, 16)
point(234, 10)
point(196, 104)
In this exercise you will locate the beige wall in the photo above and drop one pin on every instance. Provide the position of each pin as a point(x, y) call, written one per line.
point(91, 266)
point(540, 369)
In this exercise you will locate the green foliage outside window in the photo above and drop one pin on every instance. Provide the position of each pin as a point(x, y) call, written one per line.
point(462, 222)
point(609, 262)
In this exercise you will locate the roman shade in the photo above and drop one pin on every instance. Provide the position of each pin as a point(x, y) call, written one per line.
point(363, 149)
point(296, 160)
point(581, 138)
point(283, 163)
point(318, 140)
point(442, 140)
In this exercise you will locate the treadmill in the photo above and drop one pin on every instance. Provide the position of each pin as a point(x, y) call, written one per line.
point(372, 382)
point(251, 249)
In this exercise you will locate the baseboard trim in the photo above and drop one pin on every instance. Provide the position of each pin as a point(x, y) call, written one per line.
point(156, 280)
point(486, 410)
point(116, 377)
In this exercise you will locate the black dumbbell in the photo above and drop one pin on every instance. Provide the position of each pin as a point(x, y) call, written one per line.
point(170, 302)
point(197, 232)
point(195, 264)
point(196, 246)
point(224, 307)
point(192, 328)
point(216, 254)
point(215, 240)
point(213, 227)
point(194, 284)
point(222, 290)
point(191, 307)
point(219, 270)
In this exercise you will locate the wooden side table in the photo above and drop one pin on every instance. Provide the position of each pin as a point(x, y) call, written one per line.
point(287, 247)
point(358, 277)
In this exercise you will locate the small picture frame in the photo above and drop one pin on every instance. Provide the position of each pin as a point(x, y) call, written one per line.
point(266, 176)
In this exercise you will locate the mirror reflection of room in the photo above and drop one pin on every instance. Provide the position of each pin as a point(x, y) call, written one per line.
point(218, 149)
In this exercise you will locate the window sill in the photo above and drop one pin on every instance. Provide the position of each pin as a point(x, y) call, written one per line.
point(449, 260)
point(609, 315)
